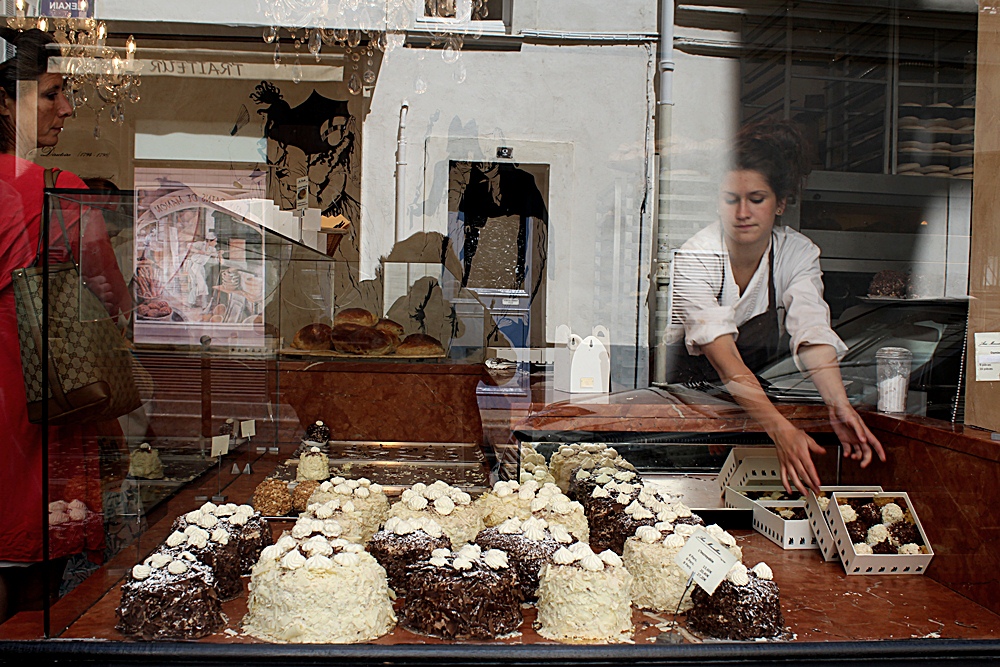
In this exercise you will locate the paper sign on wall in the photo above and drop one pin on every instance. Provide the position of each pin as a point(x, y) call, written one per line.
point(248, 428)
point(987, 356)
point(706, 559)
point(220, 445)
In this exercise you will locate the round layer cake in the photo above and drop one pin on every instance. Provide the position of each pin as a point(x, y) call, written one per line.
point(746, 605)
point(169, 597)
point(449, 506)
point(658, 582)
point(367, 500)
point(529, 545)
point(318, 591)
point(245, 526)
point(514, 500)
point(403, 542)
point(584, 597)
point(471, 594)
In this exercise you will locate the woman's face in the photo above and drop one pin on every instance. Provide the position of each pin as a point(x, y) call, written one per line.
point(53, 109)
point(748, 206)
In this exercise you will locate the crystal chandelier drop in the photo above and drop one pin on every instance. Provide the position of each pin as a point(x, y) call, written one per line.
point(360, 44)
point(97, 76)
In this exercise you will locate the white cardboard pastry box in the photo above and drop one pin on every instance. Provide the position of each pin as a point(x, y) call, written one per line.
point(785, 531)
point(861, 564)
point(750, 465)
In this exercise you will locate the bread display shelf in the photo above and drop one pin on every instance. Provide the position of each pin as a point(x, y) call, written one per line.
point(294, 352)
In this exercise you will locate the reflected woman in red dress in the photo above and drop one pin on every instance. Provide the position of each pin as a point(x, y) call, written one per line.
point(74, 502)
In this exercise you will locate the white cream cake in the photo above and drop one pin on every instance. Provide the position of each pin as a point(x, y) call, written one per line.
point(449, 506)
point(510, 500)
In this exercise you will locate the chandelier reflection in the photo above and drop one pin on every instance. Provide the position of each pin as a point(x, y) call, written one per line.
point(380, 27)
point(97, 76)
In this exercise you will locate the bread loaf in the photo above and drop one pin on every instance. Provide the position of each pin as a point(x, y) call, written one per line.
point(312, 337)
point(358, 316)
point(354, 339)
point(420, 345)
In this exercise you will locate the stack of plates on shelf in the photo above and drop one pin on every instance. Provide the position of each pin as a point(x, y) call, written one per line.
point(939, 170)
point(908, 168)
point(962, 172)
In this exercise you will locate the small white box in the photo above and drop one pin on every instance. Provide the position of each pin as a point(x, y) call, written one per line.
point(786, 533)
point(757, 471)
point(582, 365)
point(862, 564)
point(735, 458)
point(736, 496)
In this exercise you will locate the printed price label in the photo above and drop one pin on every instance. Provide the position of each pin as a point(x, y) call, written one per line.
point(248, 429)
point(220, 445)
point(706, 559)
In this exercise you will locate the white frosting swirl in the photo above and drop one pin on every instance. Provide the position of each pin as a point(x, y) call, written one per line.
point(599, 492)
point(534, 532)
point(510, 527)
point(674, 541)
point(763, 571)
point(140, 571)
point(611, 558)
point(648, 534)
point(738, 575)
point(560, 534)
point(176, 538)
point(319, 563)
point(347, 558)
point(461, 563)
point(444, 505)
point(403, 528)
point(177, 567)
point(496, 559)
point(293, 560)
point(157, 561)
point(564, 556)
point(592, 562)
point(416, 503)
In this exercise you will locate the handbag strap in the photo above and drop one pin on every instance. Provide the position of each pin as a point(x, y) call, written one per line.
point(51, 176)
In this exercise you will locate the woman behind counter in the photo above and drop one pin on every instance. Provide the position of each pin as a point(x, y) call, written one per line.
point(747, 289)
point(73, 453)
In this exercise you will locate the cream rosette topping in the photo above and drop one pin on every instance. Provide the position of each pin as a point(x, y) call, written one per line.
point(763, 571)
point(450, 507)
point(468, 557)
point(738, 575)
point(299, 588)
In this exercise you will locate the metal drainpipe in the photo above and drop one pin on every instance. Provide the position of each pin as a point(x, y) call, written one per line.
point(401, 173)
point(664, 112)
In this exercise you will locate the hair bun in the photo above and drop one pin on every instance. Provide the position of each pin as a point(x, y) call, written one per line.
point(777, 149)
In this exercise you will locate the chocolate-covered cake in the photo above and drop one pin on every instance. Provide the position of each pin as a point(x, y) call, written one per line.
point(744, 606)
point(167, 597)
point(617, 509)
point(472, 594)
point(214, 549)
point(529, 545)
point(318, 432)
point(403, 542)
point(244, 526)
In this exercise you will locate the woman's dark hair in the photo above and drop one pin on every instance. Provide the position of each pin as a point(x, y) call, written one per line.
point(777, 150)
point(30, 62)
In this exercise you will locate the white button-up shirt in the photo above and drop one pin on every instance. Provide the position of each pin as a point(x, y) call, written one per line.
point(702, 271)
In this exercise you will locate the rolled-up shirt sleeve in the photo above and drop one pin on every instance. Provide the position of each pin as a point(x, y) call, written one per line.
point(807, 315)
point(697, 282)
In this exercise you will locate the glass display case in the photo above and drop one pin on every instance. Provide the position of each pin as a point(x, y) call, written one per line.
point(356, 346)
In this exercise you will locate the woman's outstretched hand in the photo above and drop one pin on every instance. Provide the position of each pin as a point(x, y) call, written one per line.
point(858, 441)
point(795, 449)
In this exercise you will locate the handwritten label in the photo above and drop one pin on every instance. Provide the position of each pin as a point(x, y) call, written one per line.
point(248, 429)
point(987, 357)
point(220, 445)
point(706, 559)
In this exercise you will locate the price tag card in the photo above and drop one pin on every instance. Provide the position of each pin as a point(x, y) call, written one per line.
point(706, 559)
point(248, 429)
point(220, 445)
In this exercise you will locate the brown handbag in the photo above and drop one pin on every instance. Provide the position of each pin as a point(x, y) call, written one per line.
point(89, 365)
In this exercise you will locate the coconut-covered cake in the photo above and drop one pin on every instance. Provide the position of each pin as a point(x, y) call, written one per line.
point(245, 526)
point(570, 457)
point(364, 504)
point(313, 465)
point(403, 542)
point(585, 597)
point(169, 596)
point(469, 594)
point(529, 545)
point(302, 492)
point(318, 590)
point(544, 501)
point(746, 605)
point(658, 582)
point(144, 463)
point(449, 506)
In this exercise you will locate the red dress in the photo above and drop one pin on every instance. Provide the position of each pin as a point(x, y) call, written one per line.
point(74, 473)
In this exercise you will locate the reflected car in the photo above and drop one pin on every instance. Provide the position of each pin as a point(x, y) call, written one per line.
point(933, 330)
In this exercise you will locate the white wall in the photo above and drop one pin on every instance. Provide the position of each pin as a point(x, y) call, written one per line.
point(591, 107)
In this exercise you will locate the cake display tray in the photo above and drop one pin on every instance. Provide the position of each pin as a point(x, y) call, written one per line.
point(862, 564)
point(734, 461)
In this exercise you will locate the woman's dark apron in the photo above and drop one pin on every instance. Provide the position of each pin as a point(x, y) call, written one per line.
point(760, 343)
